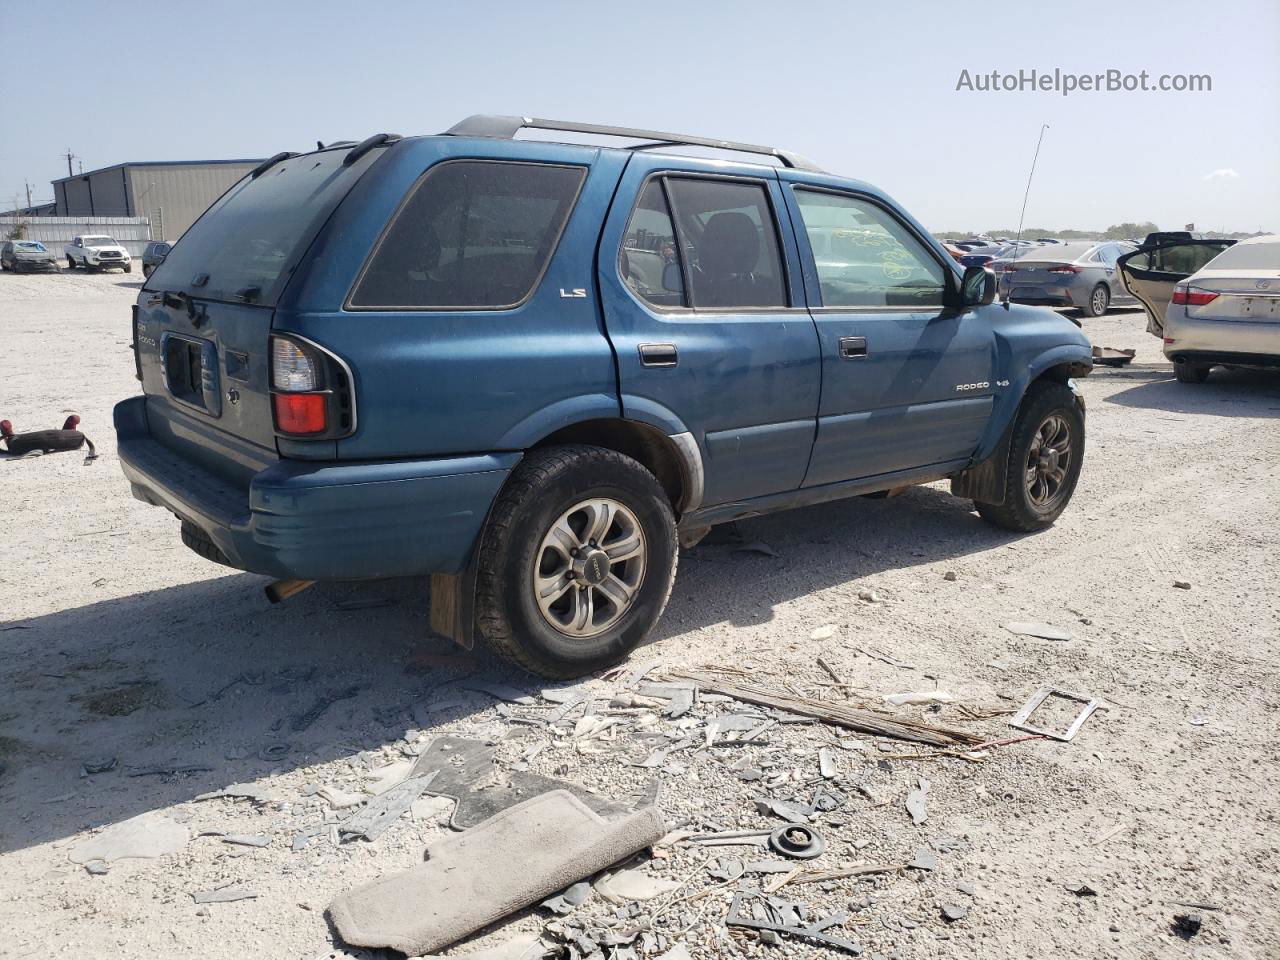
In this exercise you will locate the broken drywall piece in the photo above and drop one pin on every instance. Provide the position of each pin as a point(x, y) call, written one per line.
point(145, 836)
point(468, 881)
point(1045, 631)
point(917, 802)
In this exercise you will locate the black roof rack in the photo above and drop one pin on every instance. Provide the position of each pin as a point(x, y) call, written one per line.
point(505, 128)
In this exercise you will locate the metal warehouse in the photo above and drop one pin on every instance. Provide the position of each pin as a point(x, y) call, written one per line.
point(171, 195)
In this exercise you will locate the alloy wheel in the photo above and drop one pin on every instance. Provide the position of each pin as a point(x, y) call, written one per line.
point(589, 567)
point(1048, 461)
point(1099, 301)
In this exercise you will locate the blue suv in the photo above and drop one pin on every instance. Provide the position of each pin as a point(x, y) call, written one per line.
point(532, 370)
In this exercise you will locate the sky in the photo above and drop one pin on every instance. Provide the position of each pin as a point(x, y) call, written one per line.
point(866, 89)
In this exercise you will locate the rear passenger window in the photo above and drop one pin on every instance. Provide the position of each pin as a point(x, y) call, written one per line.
point(648, 260)
point(730, 243)
point(865, 257)
point(473, 235)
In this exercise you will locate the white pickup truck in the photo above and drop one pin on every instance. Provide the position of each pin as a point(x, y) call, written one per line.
point(97, 253)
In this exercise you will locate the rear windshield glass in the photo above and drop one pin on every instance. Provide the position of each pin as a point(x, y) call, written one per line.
point(98, 242)
point(249, 242)
point(31, 245)
point(1248, 256)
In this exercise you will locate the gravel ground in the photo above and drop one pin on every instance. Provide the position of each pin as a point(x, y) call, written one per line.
point(119, 643)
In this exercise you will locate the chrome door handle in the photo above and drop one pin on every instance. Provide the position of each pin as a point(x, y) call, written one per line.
point(853, 348)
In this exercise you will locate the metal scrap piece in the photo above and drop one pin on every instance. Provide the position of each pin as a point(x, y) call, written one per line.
point(753, 910)
point(304, 720)
point(1019, 721)
point(385, 809)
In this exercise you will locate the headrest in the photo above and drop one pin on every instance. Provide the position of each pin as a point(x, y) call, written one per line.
point(730, 244)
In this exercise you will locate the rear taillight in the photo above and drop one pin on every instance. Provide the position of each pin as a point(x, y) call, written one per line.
point(301, 413)
point(1063, 268)
point(1008, 268)
point(137, 355)
point(310, 390)
point(1191, 297)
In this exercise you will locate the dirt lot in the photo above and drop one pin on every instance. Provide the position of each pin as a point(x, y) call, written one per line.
point(119, 643)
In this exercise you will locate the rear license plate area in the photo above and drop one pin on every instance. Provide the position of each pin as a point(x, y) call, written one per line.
point(190, 368)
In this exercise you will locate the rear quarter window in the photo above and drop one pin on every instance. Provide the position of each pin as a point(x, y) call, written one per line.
point(472, 235)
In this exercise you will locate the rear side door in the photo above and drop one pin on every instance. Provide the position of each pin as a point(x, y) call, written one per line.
point(1150, 274)
point(704, 308)
point(906, 380)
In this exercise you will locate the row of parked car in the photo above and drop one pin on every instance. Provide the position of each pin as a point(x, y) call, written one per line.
point(97, 252)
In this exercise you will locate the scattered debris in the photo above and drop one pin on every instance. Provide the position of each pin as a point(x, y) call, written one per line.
point(1045, 631)
point(381, 812)
point(168, 770)
point(1021, 719)
point(565, 903)
point(99, 765)
point(467, 882)
point(949, 576)
point(1187, 925)
point(246, 839)
point(917, 802)
point(925, 859)
point(244, 791)
point(1182, 584)
point(500, 691)
point(884, 658)
point(838, 714)
point(918, 697)
point(757, 546)
point(96, 868)
point(624, 886)
point(274, 752)
point(827, 763)
point(1112, 357)
point(797, 841)
point(768, 914)
point(145, 836)
point(1081, 890)
point(951, 912)
point(823, 633)
point(224, 895)
point(868, 596)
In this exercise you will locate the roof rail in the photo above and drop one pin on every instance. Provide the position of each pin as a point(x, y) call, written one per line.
point(505, 128)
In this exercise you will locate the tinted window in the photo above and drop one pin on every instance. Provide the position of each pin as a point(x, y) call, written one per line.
point(1249, 256)
point(1109, 253)
point(865, 257)
point(729, 242)
point(648, 261)
point(1178, 259)
point(249, 242)
point(472, 235)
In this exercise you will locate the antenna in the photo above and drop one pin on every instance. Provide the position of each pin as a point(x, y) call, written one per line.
point(1017, 246)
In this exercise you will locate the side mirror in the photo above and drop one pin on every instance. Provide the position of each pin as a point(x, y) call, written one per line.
point(672, 282)
point(978, 287)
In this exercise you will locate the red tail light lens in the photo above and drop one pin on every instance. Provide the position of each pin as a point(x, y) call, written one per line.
point(1191, 297)
point(301, 413)
point(1063, 268)
point(1009, 268)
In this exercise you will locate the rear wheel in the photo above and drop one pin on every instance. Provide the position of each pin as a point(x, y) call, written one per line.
point(1099, 300)
point(128, 268)
point(1045, 455)
point(1191, 372)
point(577, 561)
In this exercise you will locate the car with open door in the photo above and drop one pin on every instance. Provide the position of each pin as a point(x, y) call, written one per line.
point(529, 371)
point(1212, 302)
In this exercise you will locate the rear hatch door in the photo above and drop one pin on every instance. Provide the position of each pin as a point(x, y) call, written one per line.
point(204, 317)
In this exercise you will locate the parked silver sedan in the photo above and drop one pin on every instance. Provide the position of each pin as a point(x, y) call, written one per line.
point(1081, 275)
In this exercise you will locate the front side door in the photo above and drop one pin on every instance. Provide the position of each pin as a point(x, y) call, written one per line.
point(906, 381)
point(708, 321)
point(1151, 274)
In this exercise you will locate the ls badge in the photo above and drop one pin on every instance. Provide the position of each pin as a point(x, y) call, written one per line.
point(573, 294)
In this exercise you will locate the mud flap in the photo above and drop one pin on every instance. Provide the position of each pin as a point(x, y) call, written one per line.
point(453, 598)
point(988, 481)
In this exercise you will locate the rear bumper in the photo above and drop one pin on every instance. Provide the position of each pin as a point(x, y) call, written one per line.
point(322, 521)
point(1235, 341)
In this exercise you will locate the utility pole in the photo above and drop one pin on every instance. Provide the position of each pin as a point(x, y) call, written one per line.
point(28, 185)
point(70, 157)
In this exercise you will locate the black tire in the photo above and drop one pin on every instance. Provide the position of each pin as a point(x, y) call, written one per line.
point(146, 272)
point(1099, 301)
point(71, 264)
point(1191, 372)
point(128, 268)
point(542, 488)
point(1022, 511)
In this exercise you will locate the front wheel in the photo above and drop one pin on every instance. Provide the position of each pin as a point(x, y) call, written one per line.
point(71, 264)
point(577, 561)
point(1046, 452)
point(128, 268)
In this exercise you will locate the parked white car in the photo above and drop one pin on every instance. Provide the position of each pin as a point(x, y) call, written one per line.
point(97, 253)
point(1221, 310)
